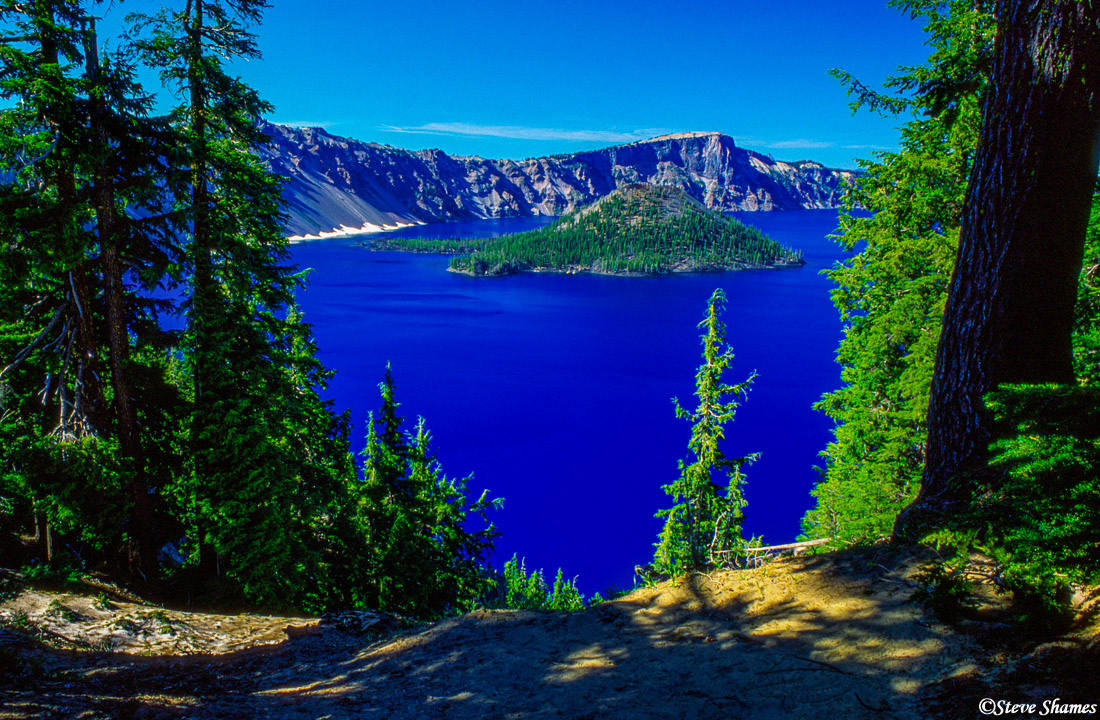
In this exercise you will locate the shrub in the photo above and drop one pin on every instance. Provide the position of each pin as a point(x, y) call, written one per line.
point(523, 591)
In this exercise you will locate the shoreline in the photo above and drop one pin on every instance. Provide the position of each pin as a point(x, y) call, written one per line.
point(586, 270)
point(346, 231)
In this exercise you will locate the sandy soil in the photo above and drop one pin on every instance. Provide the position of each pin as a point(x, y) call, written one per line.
point(830, 636)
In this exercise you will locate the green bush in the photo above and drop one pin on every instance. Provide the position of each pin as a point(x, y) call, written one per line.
point(942, 589)
point(565, 595)
point(62, 572)
point(1036, 509)
point(523, 591)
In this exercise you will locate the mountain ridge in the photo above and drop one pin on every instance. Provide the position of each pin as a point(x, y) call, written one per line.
point(336, 183)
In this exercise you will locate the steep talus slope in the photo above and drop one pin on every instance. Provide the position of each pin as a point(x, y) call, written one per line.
point(334, 181)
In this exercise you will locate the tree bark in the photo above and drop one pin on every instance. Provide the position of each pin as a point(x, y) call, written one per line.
point(109, 232)
point(1009, 312)
point(79, 283)
point(203, 290)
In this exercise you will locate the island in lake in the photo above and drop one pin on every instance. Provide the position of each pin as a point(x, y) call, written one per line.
point(636, 230)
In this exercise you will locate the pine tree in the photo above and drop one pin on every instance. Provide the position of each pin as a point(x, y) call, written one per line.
point(891, 294)
point(422, 557)
point(47, 340)
point(268, 457)
point(103, 203)
point(70, 228)
point(134, 229)
point(1009, 315)
point(707, 516)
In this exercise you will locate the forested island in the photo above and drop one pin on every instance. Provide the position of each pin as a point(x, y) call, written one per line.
point(636, 230)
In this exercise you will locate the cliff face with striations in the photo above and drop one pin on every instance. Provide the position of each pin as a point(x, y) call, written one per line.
point(334, 181)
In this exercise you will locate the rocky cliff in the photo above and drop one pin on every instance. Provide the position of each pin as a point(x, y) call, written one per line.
point(339, 182)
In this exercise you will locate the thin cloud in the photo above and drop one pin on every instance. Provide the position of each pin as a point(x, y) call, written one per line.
point(306, 123)
point(800, 144)
point(747, 140)
point(752, 141)
point(516, 132)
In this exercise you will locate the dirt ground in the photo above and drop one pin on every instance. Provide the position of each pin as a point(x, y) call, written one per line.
point(827, 636)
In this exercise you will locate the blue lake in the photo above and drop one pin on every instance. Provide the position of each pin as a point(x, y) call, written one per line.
point(555, 391)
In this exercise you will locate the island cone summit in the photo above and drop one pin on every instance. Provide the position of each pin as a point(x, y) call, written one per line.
point(636, 230)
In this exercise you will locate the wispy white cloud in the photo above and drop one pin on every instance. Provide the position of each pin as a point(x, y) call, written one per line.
point(800, 144)
point(516, 132)
point(306, 123)
point(760, 143)
point(747, 140)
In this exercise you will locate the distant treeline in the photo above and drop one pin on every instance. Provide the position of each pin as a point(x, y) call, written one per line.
point(445, 246)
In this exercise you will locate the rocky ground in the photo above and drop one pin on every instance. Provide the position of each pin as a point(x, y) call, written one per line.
point(827, 636)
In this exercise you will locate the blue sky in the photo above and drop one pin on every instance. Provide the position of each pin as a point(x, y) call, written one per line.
point(516, 79)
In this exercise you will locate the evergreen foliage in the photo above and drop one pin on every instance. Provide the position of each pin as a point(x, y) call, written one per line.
point(1036, 508)
point(265, 452)
point(1042, 501)
point(639, 229)
point(80, 163)
point(1033, 507)
point(523, 591)
point(1086, 332)
point(423, 557)
point(202, 461)
point(705, 522)
point(891, 294)
point(446, 246)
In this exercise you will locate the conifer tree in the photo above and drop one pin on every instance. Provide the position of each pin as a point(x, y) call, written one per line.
point(129, 154)
point(891, 294)
point(268, 456)
point(101, 203)
point(423, 558)
point(69, 230)
point(1009, 315)
point(45, 303)
point(707, 516)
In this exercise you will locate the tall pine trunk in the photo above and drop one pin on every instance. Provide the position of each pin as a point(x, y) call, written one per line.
point(203, 290)
point(77, 281)
point(1009, 311)
point(201, 250)
point(77, 284)
point(118, 341)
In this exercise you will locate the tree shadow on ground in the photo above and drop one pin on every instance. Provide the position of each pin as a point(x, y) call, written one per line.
point(826, 636)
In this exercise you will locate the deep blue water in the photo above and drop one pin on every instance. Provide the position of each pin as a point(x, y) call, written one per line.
point(555, 390)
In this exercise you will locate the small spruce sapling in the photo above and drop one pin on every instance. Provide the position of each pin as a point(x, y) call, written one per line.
point(530, 592)
point(523, 591)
